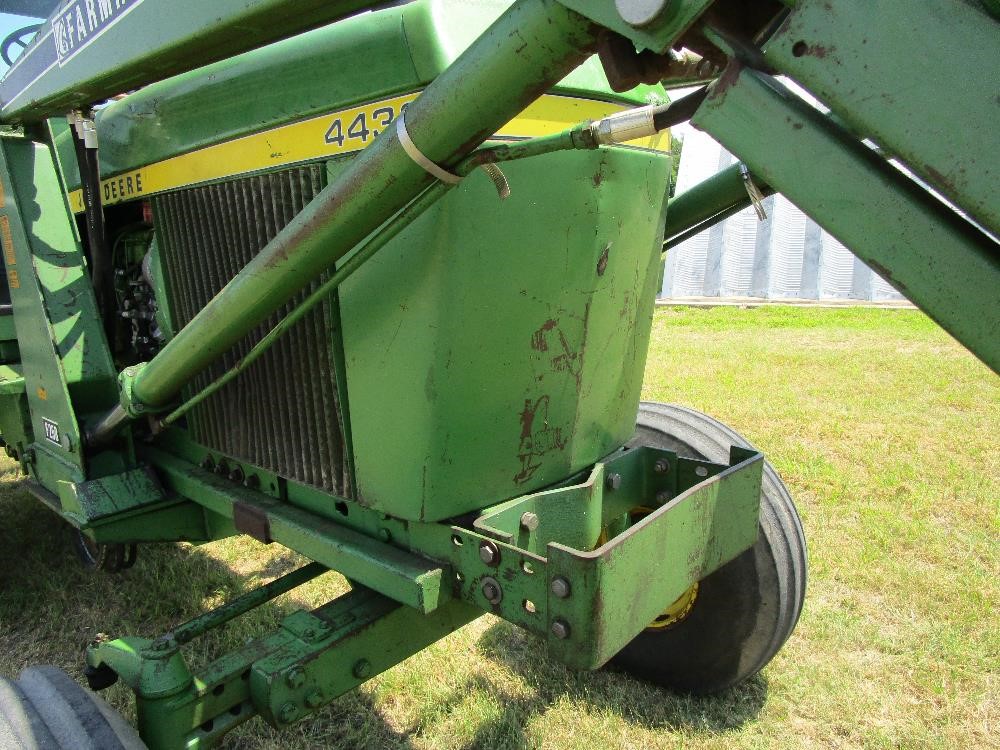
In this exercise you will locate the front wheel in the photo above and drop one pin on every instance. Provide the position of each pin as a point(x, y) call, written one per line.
point(728, 626)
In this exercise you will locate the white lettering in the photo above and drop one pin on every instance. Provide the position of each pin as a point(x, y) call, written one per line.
point(81, 28)
point(59, 31)
point(91, 15)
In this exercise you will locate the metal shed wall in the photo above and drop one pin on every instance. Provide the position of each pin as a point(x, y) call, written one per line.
point(786, 256)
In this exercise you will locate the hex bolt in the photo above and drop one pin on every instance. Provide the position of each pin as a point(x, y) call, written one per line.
point(613, 481)
point(640, 13)
point(295, 678)
point(492, 590)
point(309, 634)
point(489, 553)
point(362, 669)
point(287, 713)
point(663, 496)
point(560, 587)
point(560, 629)
point(222, 469)
point(662, 466)
point(529, 521)
point(314, 698)
point(236, 475)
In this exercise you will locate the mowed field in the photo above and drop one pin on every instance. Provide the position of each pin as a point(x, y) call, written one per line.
point(886, 432)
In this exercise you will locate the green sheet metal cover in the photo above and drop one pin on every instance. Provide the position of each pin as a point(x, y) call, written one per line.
point(496, 347)
point(369, 57)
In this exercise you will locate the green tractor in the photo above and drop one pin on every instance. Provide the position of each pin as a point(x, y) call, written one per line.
point(376, 284)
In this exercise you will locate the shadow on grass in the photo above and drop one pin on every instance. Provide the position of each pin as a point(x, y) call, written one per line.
point(51, 608)
point(606, 691)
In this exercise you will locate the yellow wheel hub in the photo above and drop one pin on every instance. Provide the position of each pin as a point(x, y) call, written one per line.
point(676, 611)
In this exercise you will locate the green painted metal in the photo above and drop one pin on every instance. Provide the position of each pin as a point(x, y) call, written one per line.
point(707, 203)
point(311, 659)
point(86, 502)
point(659, 34)
point(484, 375)
point(700, 516)
point(88, 52)
point(409, 579)
point(613, 597)
point(538, 41)
point(934, 257)
point(63, 351)
point(937, 113)
point(404, 47)
point(240, 606)
point(131, 507)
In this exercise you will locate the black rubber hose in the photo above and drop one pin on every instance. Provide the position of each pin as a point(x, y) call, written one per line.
point(680, 110)
point(101, 272)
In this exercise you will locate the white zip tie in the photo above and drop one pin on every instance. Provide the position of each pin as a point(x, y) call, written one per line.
point(422, 161)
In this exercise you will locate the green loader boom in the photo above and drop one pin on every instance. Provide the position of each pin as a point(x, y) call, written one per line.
point(376, 284)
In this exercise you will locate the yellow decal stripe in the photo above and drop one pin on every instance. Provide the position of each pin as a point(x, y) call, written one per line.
point(328, 135)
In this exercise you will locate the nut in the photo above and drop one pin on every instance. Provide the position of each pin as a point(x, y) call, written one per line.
point(362, 668)
point(662, 466)
point(662, 497)
point(529, 521)
point(613, 481)
point(492, 590)
point(314, 698)
point(560, 629)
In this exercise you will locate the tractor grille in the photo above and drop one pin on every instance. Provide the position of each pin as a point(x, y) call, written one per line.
point(282, 413)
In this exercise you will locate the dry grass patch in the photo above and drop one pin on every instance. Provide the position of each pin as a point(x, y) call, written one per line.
point(885, 431)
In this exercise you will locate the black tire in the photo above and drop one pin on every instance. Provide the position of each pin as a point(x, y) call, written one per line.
point(743, 612)
point(46, 710)
point(110, 558)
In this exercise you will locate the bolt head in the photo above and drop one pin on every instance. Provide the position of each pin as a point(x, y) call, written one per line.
point(640, 12)
point(529, 521)
point(362, 669)
point(295, 678)
point(489, 553)
point(314, 698)
point(288, 712)
point(560, 587)
point(662, 497)
point(613, 481)
point(662, 466)
point(560, 629)
point(309, 634)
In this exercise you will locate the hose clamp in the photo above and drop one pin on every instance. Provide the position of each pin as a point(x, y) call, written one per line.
point(422, 161)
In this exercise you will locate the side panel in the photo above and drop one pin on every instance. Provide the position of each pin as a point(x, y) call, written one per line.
point(497, 347)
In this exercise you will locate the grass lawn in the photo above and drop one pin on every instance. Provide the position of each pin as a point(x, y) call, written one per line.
point(886, 432)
